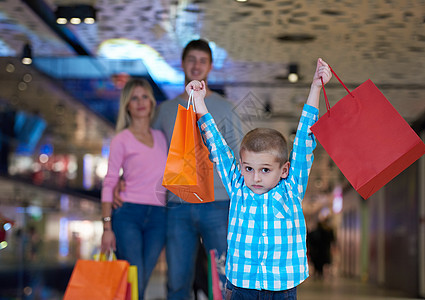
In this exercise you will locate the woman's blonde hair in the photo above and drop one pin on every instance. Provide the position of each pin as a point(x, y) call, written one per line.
point(124, 117)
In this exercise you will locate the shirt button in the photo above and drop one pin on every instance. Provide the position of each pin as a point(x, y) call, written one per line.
point(262, 263)
point(264, 234)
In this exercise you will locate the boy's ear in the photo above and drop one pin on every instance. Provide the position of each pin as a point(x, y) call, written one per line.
point(285, 169)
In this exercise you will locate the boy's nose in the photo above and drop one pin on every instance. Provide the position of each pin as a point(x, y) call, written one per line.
point(257, 177)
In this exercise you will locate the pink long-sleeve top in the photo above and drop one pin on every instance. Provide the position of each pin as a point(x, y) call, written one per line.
point(143, 168)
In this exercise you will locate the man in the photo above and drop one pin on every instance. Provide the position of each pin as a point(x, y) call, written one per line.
point(187, 223)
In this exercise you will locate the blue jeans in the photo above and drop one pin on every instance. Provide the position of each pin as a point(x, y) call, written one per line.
point(186, 224)
point(140, 236)
point(237, 293)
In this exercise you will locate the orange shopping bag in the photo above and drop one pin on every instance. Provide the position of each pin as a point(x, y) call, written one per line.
point(188, 171)
point(98, 280)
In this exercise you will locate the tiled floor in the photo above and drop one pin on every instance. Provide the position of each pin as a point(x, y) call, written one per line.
point(338, 288)
point(335, 288)
point(331, 288)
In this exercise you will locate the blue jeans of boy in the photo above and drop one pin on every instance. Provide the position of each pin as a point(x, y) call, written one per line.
point(236, 293)
point(140, 236)
point(186, 223)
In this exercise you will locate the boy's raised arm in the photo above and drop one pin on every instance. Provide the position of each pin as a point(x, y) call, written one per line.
point(322, 71)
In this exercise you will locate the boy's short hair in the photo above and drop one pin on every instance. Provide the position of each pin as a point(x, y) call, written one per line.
point(201, 45)
point(266, 140)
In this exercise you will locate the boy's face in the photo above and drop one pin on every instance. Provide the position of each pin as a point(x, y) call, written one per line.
point(196, 65)
point(262, 171)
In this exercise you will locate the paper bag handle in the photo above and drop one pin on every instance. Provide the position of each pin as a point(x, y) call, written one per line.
point(111, 257)
point(190, 101)
point(328, 107)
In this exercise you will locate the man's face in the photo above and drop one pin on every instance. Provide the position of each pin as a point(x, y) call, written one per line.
point(196, 65)
point(261, 171)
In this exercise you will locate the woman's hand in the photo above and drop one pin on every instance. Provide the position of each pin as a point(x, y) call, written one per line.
point(118, 189)
point(108, 241)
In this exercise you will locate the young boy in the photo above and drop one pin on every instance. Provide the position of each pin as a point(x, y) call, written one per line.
point(266, 238)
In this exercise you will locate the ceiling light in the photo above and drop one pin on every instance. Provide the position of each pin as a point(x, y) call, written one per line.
point(61, 21)
point(292, 77)
point(10, 68)
point(27, 54)
point(293, 73)
point(75, 21)
point(268, 110)
point(62, 15)
point(27, 78)
point(89, 20)
point(75, 14)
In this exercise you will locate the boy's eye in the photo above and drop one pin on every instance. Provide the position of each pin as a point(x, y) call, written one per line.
point(248, 169)
point(265, 170)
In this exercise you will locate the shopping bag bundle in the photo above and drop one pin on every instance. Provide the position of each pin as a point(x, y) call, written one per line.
point(367, 138)
point(188, 171)
point(102, 279)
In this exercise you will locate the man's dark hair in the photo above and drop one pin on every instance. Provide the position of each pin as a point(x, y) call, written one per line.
point(201, 45)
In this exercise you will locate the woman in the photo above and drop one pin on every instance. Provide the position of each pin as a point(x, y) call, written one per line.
point(136, 230)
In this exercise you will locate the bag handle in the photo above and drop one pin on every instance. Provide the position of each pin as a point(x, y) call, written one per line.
point(100, 256)
point(328, 107)
point(190, 101)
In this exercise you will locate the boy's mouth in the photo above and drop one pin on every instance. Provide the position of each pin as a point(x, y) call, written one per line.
point(255, 186)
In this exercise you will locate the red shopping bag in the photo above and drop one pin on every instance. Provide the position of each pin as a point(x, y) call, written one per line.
point(367, 138)
point(128, 293)
point(214, 290)
point(188, 171)
point(98, 280)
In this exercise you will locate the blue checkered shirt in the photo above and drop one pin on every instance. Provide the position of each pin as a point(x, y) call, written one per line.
point(266, 233)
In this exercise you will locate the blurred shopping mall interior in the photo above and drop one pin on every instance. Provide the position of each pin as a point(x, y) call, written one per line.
point(59, 95)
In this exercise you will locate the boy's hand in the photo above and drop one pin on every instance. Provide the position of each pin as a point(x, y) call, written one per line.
point(199, 88)
point(199, 91)
point(322, 71)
